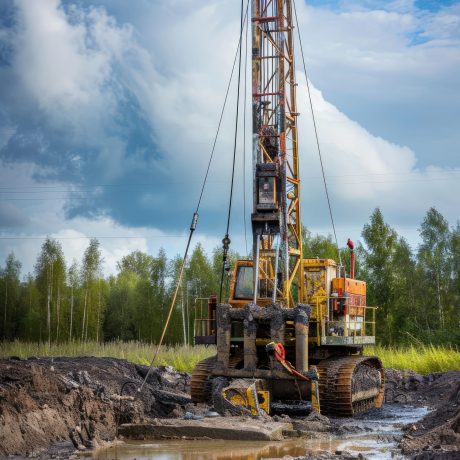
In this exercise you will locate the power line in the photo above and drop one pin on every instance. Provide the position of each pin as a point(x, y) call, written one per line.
point(88, 237)
point(149, 237)
point(71, 188)
point(88, 198)
point(316, 133)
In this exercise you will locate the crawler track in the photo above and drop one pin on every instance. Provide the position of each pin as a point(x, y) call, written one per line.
point(350, 385)
point(200, 385)
point(200, 390)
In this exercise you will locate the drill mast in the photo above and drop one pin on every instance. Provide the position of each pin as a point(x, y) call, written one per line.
point(284, 309)
point(277, 239)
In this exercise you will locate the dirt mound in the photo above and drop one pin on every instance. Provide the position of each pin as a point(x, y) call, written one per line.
point(431, 390)
point(437, 435)
point(52, 400)
point(54, 404)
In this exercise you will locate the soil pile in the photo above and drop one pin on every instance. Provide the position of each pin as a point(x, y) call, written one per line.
point(55, 405)
point(438, 434)
point(52, 400)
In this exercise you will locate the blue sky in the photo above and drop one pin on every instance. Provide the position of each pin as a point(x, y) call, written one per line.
point(108, 111)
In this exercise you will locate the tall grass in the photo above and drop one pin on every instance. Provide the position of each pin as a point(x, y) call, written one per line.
point(182, 358)
point(423, 359)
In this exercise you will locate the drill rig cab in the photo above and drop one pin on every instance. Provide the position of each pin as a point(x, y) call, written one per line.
point(294, 328)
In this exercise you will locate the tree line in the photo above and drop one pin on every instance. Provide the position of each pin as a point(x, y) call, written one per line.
point(417, 291)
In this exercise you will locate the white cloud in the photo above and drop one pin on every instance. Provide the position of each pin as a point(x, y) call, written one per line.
point(39, 217)
point(66, 62)
point(66, 74)
point(365, 171)
point(177, 66)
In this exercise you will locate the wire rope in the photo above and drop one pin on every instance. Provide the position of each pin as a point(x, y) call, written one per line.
point(226, 240)
point(195, 214)
point(244, 135)
point(316, 134)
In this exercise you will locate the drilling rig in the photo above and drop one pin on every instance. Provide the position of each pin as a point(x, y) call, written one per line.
point(290, 338)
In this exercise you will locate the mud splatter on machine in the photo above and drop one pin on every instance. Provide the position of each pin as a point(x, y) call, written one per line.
point(291, 335)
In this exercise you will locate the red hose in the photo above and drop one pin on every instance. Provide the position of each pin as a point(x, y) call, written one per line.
point(280, 356)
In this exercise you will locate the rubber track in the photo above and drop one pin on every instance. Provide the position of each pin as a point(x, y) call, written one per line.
point(335, 386)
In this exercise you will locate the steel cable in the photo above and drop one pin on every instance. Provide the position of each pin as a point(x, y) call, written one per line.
point(226, 240)
point(195, 214)
point(316, 134)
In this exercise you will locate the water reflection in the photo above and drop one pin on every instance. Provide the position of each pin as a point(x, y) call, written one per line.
point(215, 450)
point(375, 438)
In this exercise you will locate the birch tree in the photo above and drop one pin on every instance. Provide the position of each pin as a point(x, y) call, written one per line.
point(72, 277)
point(435, 262)
point(91, 272)
point(380, 243)
point(10, 284)
point(50, 278)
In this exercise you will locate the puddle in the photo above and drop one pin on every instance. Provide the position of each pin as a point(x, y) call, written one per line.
point(374, 435)
point(202, 450)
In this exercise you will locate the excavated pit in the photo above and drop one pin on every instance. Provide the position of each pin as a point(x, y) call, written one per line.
point(50, 407)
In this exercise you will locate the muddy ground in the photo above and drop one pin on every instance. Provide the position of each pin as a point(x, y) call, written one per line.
point(437, 435)
point(51, 407)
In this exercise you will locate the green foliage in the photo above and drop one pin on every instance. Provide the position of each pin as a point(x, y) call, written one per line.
point(423, 359)
point(182, 358)
point(417, 292)
point(416, 296)
point(318, 246)
point(10, 298)
point(435, 267)
point(379, 255)
point(93, 299)
point(50, 273)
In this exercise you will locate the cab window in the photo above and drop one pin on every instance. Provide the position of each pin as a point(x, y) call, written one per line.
point(244, 288)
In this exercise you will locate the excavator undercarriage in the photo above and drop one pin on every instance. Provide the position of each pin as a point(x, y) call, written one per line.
point(343, 384)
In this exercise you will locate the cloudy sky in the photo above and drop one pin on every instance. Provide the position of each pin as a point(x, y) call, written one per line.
point(108, 111)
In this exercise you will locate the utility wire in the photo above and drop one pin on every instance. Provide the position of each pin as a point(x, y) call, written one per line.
point(87, 237)
point(79, 189)
point(316, 134)
point(244, 136)
point(226, 240)
point(238, 50)
point(195, 214)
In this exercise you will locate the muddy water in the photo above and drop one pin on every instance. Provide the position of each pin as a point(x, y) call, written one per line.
point(375, 436)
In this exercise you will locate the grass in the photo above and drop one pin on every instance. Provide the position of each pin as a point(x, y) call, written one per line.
point(181, 357)
point(423, 359)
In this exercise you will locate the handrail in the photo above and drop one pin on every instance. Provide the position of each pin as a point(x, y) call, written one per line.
point(203, 326)
point(355, 321)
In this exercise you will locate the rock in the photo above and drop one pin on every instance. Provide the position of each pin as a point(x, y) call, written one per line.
point(233, 428)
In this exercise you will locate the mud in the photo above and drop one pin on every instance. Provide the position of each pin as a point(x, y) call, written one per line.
point(51, 401)
point(365, 378)
point(53, 407)
point(437, 435)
